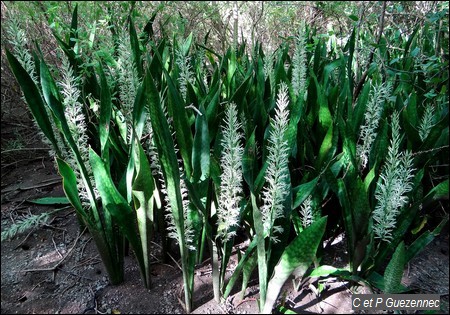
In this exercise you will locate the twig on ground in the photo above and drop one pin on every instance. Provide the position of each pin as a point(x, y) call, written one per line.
point(12, 219)
point(246, 300)
point(58, 181)
point(24, 149)
point(69, 252)
point(24, 240)
point(180, 300)
point(16, 207)
point(156, 244)
point(95, 309)
point(45, 183)
point(174, 260)
point(38, 284)
point(18, 161)
point(53, 227)
point(75, 274)
point(67, 214)
point(182, 303)
point(68, 288)
point(84, 246)
point(88, 261)
point(159, 262)
point(56, 248)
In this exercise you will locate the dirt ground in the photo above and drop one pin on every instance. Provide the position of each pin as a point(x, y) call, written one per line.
point(56, 268)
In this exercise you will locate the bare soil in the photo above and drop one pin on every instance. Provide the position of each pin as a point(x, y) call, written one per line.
point(56, 267)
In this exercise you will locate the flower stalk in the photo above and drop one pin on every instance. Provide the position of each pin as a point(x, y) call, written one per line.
point(394, 183)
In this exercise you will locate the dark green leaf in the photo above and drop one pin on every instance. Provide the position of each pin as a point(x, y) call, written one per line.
point(105, 111)
point(181, 124)
point(261, 251)
point(439, 192)
point(326, 146)
point(71, 190)
point(284, 310)
point(142, 191)
point(139, 112)
point(73, 35)
point(303, 191)
point(239, 267)
point(33, 98)
point(134, 41)
point(117, 206)
point(394, 270)
point(325, 118)
point(300, 253)
point(51, 201)
point(200, 151)
point(249, 167)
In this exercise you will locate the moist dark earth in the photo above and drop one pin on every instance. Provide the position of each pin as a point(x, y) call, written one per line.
point(55, 268)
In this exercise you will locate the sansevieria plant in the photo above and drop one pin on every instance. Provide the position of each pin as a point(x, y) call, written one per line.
point(60, 113)
point(281, 149)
